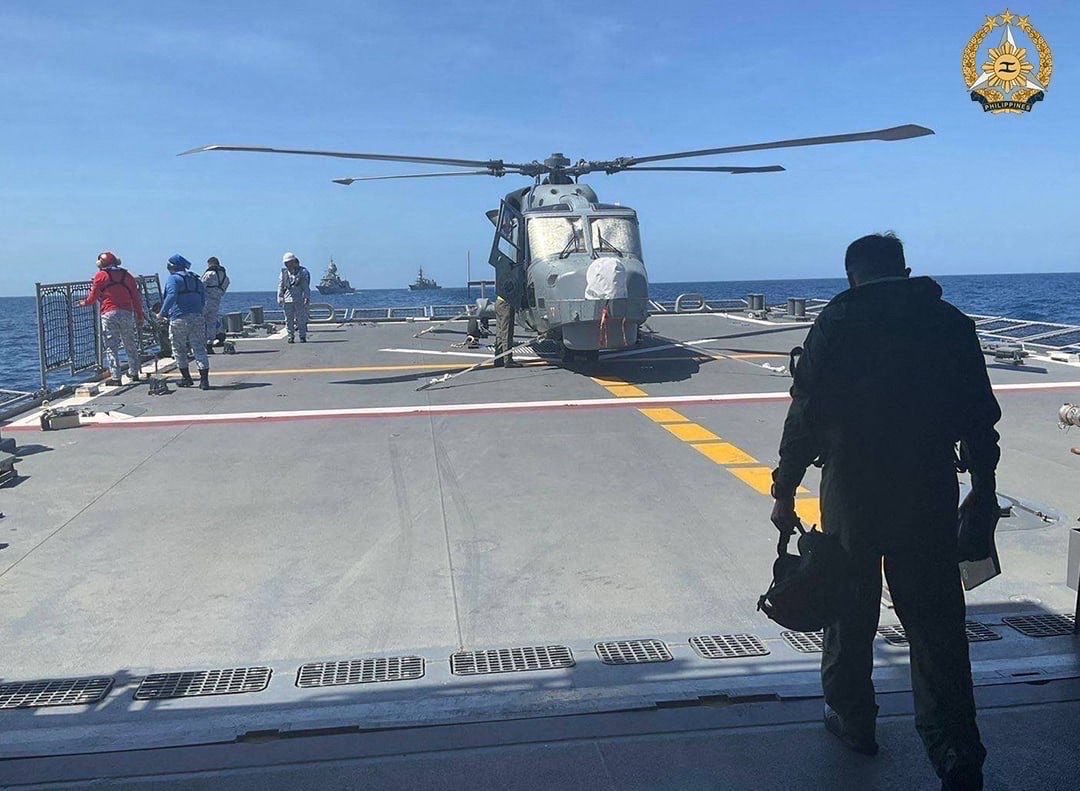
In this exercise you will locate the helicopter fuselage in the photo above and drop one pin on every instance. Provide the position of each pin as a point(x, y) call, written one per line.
point(580, 261)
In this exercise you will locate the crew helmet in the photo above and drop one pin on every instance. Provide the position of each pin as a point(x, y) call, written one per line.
point(107, 259)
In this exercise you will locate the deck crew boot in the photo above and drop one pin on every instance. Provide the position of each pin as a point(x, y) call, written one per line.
point(210, 347)
point(204, 379)
point(185, 378)
point(511, 362)
point(290, 339)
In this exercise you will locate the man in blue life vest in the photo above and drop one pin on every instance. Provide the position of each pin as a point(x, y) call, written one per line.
point(185, 299)
point(890, 379)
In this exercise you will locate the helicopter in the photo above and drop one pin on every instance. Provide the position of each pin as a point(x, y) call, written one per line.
point(580, 260)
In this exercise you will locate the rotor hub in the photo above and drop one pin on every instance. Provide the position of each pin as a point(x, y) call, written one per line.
point(557, 161)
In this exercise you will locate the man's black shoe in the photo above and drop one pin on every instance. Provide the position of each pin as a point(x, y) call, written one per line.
point(112, 382)
point(860, 740)
point(512, 363)
point(290, 339)
point(499, 363)
point(303, 339)
point(961, 774)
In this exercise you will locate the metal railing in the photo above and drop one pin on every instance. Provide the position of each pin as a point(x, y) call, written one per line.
point(69, 334)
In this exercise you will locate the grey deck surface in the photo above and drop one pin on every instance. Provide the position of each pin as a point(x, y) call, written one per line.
point(135, 548)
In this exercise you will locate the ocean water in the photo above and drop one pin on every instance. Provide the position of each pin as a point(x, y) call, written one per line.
point(1039, 297)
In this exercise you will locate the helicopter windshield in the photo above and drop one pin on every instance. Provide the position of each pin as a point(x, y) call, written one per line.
point(618, 235)
point(556, 236)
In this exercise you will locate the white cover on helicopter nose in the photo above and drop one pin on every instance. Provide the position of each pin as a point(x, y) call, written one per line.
point(605, 279)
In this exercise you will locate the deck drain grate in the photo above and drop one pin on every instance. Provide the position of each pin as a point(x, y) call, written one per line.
point(633, 652)
point(979, 632)
point(728, 646)
point(511, 660)
point(54, 692)
point(974, 631)
point(360, 671)
point(894, 635)
point(231, 681)
point(1051, 625)
point(805, 642)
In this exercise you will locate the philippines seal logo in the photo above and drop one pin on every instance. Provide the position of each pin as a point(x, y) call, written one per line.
point(1009, 82)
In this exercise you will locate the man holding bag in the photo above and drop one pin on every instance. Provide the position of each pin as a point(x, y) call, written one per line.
point(891, 377)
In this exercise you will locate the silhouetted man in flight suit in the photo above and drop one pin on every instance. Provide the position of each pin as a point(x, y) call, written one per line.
point(891, 377)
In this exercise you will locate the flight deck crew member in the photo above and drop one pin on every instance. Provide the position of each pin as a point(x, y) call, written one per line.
point(891, 377)
point(185, 299)
point(121, 314)
point(508, 298)
point(216, 282)
point(294, 294)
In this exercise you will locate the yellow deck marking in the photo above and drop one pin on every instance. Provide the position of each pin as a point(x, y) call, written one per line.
point(664, 415)
point(758, 478)
point(713, 447)
point(723, 453)
point(626, 391)
point(619, 387)
point(809, 511)
point(691, 432)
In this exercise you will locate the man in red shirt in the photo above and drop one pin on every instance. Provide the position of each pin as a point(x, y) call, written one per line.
point(121, 314)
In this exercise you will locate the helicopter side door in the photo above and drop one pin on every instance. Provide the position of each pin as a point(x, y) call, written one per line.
point(508, 246)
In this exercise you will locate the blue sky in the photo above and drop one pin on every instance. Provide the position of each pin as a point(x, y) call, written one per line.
point(98, 98)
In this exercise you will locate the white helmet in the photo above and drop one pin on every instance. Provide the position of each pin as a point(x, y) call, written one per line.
point(289, 258)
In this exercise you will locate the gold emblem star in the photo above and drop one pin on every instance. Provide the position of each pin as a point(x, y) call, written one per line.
point(1006, 18)
point(1023, 23)
point(991, 21)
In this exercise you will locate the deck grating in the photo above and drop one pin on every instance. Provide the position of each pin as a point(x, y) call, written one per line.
point(54, 692)
point(198, 683)
point(1048, 625)
point(511, 660)
point(728, 646)
point(633, 652)
point(805, 642)
point(974, 631)
point(360, 671)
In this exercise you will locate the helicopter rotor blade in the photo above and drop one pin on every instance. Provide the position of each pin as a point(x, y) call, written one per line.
point(889, 135)
point(348, 181)
point(718, 169)
point(496, 165)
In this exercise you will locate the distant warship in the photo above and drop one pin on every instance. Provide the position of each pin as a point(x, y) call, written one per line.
point(423, 283)
point(333, 283)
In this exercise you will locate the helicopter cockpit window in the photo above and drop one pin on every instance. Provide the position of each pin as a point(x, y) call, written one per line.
point(556, 236)
point(615, 236)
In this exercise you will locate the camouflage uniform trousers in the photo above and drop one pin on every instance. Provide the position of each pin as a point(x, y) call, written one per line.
point(118, 327)
point(211, 314)
point(296, 318)
point(189, 332)
point(504, 326)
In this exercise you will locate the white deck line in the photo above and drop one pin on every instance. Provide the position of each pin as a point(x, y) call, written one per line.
point(464, 409)
point(478, 355)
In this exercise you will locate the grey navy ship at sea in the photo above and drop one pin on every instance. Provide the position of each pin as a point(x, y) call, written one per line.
point(423, 283)
point(333, 283)
point(316, 575)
